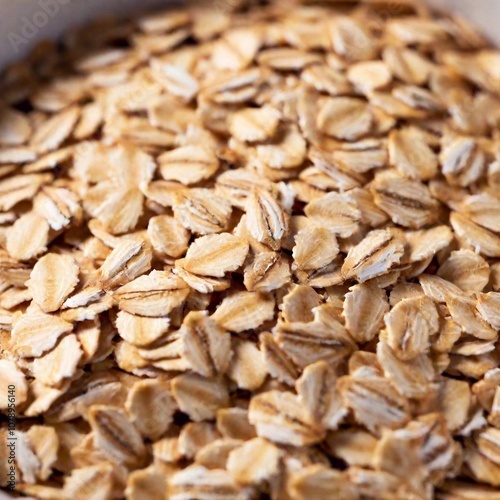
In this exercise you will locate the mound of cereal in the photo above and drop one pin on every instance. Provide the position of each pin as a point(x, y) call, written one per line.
point(252, 250)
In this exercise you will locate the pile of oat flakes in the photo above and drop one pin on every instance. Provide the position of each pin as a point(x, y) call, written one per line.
point(254, 252)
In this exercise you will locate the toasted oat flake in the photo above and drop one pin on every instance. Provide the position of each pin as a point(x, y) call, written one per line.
point(15, 127)
point(488, 306)
point(52, 133)
point(237, 48)
point(146, 484)
point(92, 482)
point(17, 154)
point(426, 243)
point(129, 259)
point(19, 188)
point(483, 210)
point(374, 402)
point(464, 312)
point(214, 455)
point(268, 271)
point(407, 64)
point(323, 404)
point(463, 162)
point(247, 368)
point(355, 446)
point(195, 436)
point(439, 289)
point(287, 58)
point(299, 303)
point(411, 378)
point(59, 206)
point(325, 338)
point(202, 284)
point(455, 397)
point(278, 364)
point(175, 79)
point(349, 39)
point(326, 79)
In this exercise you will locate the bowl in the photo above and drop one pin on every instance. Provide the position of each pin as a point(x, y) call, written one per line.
point(23, 23)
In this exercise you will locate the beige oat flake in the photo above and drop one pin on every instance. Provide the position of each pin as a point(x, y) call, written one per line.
point(344, 118)
point(23, 248)
point(53, 278)
point(254, 125)
point(214, 255)
point(188, 164)
point(374, 255)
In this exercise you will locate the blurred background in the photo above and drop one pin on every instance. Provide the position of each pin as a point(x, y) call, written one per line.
point(25, 22)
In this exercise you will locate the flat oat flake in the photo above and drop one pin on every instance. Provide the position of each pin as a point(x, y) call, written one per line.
point(151, 394)
point(278, 416)
point(247, 368)
point(188, 164)
point(119, 440)
point(344, 118)
point(152, 295)
point(214, 255)
point(28, 341)
point(23, 248)
point(53, 278)
point(410, 324)
point(244, 311)
point(374, 255)
point(59, 364)
point(364, 309)
point(205, 345)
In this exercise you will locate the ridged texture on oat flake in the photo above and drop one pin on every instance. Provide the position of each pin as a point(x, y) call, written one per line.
point(251, 249)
